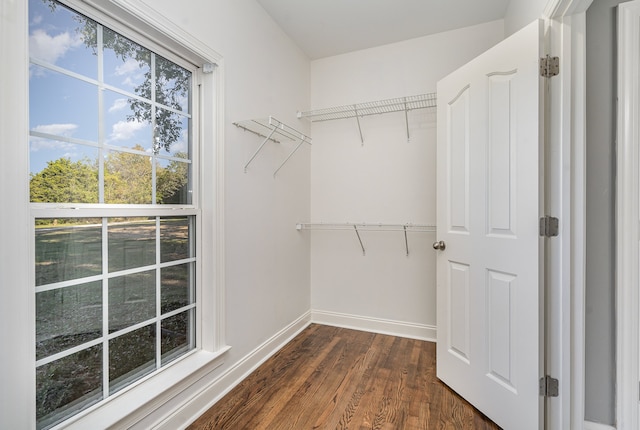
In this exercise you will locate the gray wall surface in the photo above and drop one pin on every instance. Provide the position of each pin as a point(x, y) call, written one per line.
point(600, 342)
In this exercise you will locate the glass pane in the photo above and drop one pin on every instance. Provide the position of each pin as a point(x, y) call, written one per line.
point(172, 182)
point(171, 134)
point(67, 317)
point(127, 65)
point(66, 386)
point(62, 172)
point(173, 85)
point(176, 287)
point(122, 126)
point(67, 249)
point(178, 336)
point(131, 356)
point(62, 37)
point(62, 106)
point(132, 299)
point(132, 243)
point(127, 178)
point(174, 239)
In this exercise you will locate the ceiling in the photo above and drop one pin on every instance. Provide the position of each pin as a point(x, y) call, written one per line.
point(323, 28)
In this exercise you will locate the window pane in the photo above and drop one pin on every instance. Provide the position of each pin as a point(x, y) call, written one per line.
point(62, 172)
point(132, 299)
point(175, 234)
point(127, 178)
point(131, 356)
point(172, 182)
point(173, 85)
point(67, 249)
point(67, 317)
point(171, 134)
point(176, 287)
point(122, 126)
point(66, 386)
point(62, 106)
point(132, 243)
point(177, 336)
point(62, 37)
point(127, 65)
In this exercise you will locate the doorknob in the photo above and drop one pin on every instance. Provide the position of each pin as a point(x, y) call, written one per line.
point(439, 245)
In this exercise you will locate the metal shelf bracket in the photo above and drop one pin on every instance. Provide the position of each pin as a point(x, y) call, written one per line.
point(273, 130)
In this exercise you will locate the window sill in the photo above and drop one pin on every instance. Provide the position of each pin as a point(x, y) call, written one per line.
point(142, 399)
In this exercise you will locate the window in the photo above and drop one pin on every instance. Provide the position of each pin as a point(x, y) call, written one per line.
point(114, 185)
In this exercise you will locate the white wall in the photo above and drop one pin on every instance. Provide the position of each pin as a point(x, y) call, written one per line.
point(386, 180)
point(522, 12)
point(267, 263)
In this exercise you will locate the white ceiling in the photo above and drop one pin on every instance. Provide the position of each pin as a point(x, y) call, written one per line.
point(323, 28)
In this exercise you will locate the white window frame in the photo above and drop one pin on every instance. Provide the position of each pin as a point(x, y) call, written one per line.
point(144, 400)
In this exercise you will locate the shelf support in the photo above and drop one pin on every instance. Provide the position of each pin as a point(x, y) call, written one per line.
point(302, 139)
point(260, 148)
point(355, 227)
point(355, 110)
point(406, 119)
point(406, 241)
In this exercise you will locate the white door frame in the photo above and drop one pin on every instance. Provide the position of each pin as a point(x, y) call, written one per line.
point(627, 200)
point(566, 200)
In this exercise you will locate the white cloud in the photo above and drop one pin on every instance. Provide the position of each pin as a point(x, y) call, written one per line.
point(51, 48)
point(38, 144)
point(118, 104)
point(129, 66)
point(65, 130)
point(123, 130)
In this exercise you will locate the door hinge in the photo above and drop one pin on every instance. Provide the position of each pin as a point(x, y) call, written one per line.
point(549, 387)
point(549, 66)
point(549, 226)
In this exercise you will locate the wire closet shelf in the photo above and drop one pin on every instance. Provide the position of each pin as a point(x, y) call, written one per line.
point(273, 130)
point(400, 104)
point(358, 227)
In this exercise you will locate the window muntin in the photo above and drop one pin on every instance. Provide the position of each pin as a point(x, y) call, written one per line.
point(104, 102)
point(110, 126)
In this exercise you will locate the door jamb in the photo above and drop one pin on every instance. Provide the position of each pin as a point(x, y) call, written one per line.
point(627, 229)
point(566, 21)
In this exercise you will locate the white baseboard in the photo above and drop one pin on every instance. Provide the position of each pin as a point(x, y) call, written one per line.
point(375, 325)
point(193, 406)
point(589, 425)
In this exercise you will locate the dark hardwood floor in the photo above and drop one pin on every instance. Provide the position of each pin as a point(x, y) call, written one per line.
point(335, 378)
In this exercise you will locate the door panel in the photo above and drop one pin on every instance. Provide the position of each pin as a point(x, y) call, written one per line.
point(489, 296)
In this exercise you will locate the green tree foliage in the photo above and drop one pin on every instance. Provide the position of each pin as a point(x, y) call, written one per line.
point(64, 181)
point(172, 82)
point(127, 178)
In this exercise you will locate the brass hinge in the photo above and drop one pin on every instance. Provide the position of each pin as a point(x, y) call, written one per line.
point(549, 66)
point(549, 387)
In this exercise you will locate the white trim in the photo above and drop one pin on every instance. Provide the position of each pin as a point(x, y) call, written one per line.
point(568, 107)
point(627, 215)
point(122, 411)
point(193, 406)
point(590, 425)
point(375, 325)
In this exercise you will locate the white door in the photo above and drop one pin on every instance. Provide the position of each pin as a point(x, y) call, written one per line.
point(490, 302)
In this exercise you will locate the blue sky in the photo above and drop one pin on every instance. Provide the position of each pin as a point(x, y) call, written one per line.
point(65, 106)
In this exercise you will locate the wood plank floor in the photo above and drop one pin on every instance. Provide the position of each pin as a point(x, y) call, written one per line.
point(335, 378)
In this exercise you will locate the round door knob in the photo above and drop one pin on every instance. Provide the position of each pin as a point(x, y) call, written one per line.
point(439, 245)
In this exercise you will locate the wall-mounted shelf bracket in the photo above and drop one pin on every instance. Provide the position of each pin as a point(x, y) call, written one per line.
point(401, 104)
point(272, 130)
point(369, 227)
